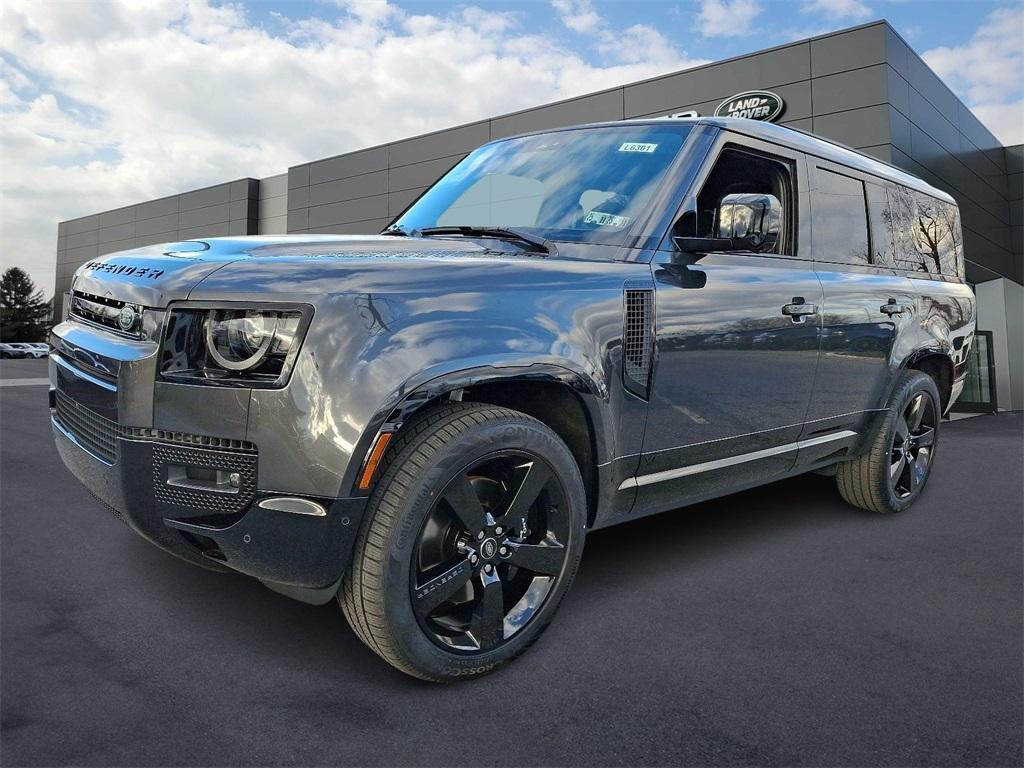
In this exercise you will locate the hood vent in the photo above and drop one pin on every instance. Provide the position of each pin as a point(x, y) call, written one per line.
point(638, 338)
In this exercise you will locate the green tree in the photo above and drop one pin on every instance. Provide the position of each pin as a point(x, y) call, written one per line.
point(23, 310)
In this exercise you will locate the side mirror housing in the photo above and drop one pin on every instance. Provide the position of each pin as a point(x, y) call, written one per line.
point(743, 222)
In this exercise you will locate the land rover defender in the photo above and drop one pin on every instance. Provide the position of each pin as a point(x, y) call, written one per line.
point(569, 330)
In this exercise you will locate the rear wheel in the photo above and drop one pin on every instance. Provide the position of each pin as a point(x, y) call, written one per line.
point(892, 473)
point(472, 536)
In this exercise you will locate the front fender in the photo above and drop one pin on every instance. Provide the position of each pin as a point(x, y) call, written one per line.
point(440, 380)
point(388, 329)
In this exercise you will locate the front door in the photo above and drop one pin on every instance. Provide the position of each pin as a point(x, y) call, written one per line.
point(737, 338)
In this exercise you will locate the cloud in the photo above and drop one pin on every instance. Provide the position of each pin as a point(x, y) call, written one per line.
point(107, 104)
point(727, 18)
point(632, 45)
point(987, 72)
point(1006, 121)
point(838, 9)
point(578, 15)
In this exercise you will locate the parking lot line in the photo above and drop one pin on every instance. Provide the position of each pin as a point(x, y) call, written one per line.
point(23, 382)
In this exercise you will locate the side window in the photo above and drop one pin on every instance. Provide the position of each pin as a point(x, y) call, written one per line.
point(903, 209)
point(880, 223)
point(953, 212)
point(938, 234)
point(839, 220)
point(742, 171)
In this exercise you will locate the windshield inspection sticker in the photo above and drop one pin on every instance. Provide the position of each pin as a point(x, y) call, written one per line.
point(636, 146)
point(606, 219)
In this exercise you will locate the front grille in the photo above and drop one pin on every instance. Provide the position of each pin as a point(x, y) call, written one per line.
point(101, 310)
point(186, 438)
point(96, 433)
point(99, 434)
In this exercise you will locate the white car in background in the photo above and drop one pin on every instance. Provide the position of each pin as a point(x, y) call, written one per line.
point(34, 350)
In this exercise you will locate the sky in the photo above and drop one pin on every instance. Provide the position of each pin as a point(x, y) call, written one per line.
point(104, 104)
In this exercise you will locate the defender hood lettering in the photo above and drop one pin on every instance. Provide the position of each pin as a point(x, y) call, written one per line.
point(155, 275)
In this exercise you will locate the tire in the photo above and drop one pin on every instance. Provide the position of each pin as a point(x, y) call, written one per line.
point(890, 476)
point(480, 509)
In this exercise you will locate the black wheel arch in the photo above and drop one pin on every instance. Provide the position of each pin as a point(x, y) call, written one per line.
point(567, 401)
point(938, 364)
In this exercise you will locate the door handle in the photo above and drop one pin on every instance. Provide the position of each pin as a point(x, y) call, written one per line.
point(798, 308)
point(891, 308)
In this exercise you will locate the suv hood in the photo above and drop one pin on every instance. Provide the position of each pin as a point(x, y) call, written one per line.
point(155, 275)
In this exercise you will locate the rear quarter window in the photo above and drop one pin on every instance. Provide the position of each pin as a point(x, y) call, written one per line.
point(926, 233)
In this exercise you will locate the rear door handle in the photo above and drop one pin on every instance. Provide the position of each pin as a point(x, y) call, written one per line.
point(798, 308)
point(891, 308)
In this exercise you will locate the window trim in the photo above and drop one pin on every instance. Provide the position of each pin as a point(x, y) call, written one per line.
point(791, 158)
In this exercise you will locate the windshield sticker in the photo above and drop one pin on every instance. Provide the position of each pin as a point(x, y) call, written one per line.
point(636, 146)
point(606, 219)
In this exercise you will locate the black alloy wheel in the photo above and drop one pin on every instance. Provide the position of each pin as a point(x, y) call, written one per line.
point(470, 540)
point(912, 441)
point(489, 552)
point(890, 469)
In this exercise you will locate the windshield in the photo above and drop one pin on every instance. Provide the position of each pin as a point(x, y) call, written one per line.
point(584, 185)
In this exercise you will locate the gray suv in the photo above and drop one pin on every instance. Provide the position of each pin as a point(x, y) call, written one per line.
point(570, 330)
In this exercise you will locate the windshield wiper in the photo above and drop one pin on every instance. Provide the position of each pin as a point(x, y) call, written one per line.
point(537, 243)
point(395, 230)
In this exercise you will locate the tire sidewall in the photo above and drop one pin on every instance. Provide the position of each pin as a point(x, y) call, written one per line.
point(470, 446)
point(914, 385)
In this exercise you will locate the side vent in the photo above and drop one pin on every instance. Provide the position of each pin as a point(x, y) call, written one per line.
point(638, 338)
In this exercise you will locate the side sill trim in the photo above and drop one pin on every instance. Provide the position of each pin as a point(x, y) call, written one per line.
point(708, 466)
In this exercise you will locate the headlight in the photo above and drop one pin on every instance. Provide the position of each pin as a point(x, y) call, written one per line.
point(251, 346)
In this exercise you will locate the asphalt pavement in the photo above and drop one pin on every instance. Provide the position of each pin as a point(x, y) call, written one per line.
point(774, 627)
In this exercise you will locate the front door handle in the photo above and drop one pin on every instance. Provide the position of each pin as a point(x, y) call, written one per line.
point(798, 308)
point(891, 308)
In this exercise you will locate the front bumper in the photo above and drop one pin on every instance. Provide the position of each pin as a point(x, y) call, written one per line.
point(170, 488)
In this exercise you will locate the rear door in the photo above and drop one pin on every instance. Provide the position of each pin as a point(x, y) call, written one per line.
point(867, 302)
point(734, 372)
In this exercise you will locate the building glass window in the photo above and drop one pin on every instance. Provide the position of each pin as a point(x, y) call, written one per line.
point(839, 221)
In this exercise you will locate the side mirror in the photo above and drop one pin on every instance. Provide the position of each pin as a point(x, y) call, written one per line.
point(752, 221)
point(743, 222)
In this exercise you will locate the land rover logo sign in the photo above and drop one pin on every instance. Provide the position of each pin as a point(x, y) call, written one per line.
point(753, 105)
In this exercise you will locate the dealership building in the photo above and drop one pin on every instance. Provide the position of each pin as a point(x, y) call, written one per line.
point(863, 87)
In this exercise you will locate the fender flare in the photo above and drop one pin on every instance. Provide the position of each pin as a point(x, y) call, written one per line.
point(931, 350)
point(428, 385)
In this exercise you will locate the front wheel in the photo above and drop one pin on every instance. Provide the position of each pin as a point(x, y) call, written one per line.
point(471, 538)
point(891, 475)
